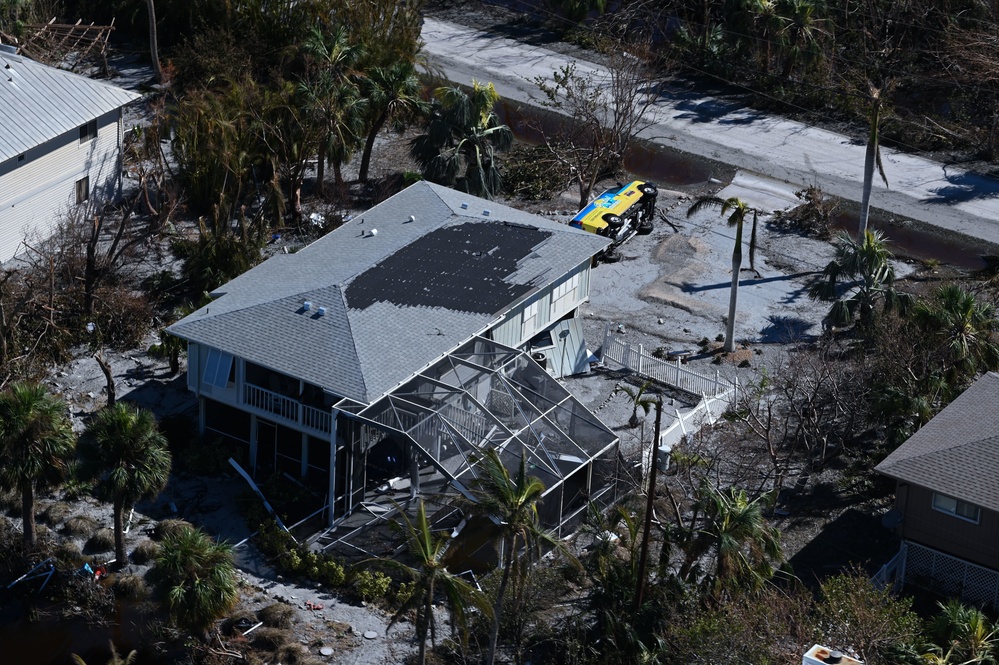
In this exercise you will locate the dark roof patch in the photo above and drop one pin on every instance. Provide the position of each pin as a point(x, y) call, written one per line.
point(465, 267)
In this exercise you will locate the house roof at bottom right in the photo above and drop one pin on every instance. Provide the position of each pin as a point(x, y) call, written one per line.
point(957, 452)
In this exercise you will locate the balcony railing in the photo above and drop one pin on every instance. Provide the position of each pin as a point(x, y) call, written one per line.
point(286, 408)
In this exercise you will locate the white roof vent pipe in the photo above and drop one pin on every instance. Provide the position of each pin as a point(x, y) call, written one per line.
point(322, 311)
point(374, 232)
point(412, 218)
point(306, 305)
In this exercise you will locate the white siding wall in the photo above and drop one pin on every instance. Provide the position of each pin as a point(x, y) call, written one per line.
point(37, 192)
point(537, 313)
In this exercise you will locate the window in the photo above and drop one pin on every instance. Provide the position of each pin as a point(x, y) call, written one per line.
point(956, 507)
point(219, 368)
point(88, 131)
point(530, 321)
point(564, 295)
point(83, 189)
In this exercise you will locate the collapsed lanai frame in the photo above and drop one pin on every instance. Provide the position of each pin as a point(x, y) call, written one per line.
point(430, 433)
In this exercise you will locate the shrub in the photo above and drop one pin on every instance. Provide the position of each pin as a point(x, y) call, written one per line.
point(371, 584)
point(208, 458)
point(101, 541)
point(80, 526)
point(131, 587)
point(68, 553)
point(278, 615)
point(171, 527)
point(55, 513)
point(145, 552)
point(272, 639)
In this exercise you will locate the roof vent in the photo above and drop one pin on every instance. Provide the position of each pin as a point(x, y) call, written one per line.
point(485, 213)
point(373, 232)
point(306, 305)
point(322, 311)
point(464, 206)
point(412, 218)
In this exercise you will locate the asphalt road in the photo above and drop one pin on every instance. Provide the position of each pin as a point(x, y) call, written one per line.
point(942, 196)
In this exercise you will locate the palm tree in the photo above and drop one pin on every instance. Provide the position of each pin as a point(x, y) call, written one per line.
point(125, 451)
point(743, 544)
point(512, 502)
point(393, 93)
point(154, 48)
point(36, 445)
point(967, 634)
point(332, 95)
point(800, 33)
point(115, 659)
point(963, 332)
point(868, 264)
point(639, 400)
point(196, 577)
point(430, 577)
point(739, 209)
point(457, 147)
point(872, 158)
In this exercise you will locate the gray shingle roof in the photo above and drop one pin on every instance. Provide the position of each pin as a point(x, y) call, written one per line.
point(414, 298)
point(39, 103)
point(957, 452)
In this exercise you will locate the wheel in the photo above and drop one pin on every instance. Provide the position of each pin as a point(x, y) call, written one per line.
point(649, 190)
point(644, 228)
point(613, 220)
point(611, 257)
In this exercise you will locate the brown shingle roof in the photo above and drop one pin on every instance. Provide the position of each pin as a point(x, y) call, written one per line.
point(957, 452)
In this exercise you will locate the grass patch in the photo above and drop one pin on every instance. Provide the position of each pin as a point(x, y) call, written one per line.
point(101, 541)
point(56, 513)
point(145, 552)
point(130, 587)
point(80, 526)
point(68, 553)
point(272, 639)
point(278, 615)
point(171, 527)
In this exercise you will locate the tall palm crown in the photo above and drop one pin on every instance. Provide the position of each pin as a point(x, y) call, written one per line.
point(512, 501)
point(36, 445)
point(393, 93)
point(458, 145)
point(430, 577)
point(963, 329)
point(125, 451)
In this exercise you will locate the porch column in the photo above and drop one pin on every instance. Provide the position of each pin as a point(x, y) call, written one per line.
point(305, 453)
point(253, 443)
point(331, 493)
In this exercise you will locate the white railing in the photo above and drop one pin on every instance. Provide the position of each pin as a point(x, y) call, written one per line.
point(272, 402)
point(892, 574)
point(317, 419)
point(669, 372)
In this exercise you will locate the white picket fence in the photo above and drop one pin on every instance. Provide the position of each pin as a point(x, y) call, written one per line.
point(668, 372)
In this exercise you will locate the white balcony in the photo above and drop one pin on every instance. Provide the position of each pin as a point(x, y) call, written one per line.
point(286, 409)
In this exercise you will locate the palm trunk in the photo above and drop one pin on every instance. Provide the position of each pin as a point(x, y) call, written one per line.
point(643, 561)
point(369, 144)
point(865, 201)
point(154, 49)
point(119, 533)
point(321, 168)
point(734, 297)
point(28, 514)
point(508, 557)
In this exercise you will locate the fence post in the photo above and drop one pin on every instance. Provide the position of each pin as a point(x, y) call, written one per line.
point(627, 355)
point(603, 347)
point(641, 352)
point(716, 383)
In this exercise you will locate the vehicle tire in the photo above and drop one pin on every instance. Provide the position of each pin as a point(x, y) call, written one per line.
point(649, 190)
point(611, 257)
point(644, 228)
point(613, 220)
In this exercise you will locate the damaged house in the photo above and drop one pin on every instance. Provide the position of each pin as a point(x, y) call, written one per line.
point(377, 363)
point(61, 137)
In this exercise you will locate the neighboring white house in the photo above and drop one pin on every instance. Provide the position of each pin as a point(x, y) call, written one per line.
point(389, 354)
point(60, 145)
